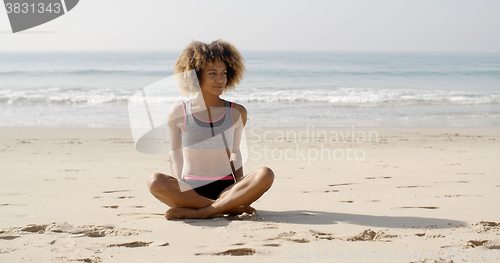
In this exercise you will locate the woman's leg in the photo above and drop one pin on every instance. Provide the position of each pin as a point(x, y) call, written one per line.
point(167, 189)
point(243, 193)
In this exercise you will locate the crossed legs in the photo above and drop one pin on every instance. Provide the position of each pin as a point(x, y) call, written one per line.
point(188, 204)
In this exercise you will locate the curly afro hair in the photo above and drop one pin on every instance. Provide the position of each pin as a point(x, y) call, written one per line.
point(198, 55)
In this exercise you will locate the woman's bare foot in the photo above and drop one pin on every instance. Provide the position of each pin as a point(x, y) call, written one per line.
point(183, 212)
point(241, 209)
point(192, 213)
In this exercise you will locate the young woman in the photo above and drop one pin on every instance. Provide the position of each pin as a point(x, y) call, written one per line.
point(205, 159)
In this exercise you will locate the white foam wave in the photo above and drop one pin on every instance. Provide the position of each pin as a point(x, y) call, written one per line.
point(350, 97)
point(343, 97)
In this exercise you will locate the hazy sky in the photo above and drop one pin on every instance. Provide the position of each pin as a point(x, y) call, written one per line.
point(349, 25)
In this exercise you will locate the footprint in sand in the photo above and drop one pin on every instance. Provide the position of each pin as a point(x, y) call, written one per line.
point(492, 244)
point(111, 206)
point(366, 235)
point(380, 177)
point(232, 252)
point(489, 224)
point(35, 228)
point(321, 235)
point(132, 244)
point(421, 207)
point(476, 243)
point(439, 260)
point(485, 226)
point(462, 196)
point(115, 191)
point(370, 235)
point(124, 197)
point(87, 230)
point(453, 182)
point(272, 245)
point(7, 250)
point(94, 259)
point(289, 237)
point(9, 237)
point(340, 184)
point(64, 246)
point(270, 226)
point(436, 236)
point(298, 240)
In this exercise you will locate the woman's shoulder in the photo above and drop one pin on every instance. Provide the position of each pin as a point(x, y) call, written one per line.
point(238, 111)
point(238, 107)
point(178, 107)
point(177, 112)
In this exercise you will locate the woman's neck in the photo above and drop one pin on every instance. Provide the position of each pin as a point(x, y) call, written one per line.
point(209, 101)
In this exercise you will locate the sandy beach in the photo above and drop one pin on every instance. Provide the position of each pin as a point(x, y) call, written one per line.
point(348, 194)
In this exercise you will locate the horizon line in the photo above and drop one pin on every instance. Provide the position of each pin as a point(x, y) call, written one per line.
point(252, 50)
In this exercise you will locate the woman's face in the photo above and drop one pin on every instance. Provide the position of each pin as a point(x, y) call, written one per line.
point(213, 78)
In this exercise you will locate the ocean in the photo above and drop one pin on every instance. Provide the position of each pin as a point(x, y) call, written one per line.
point(280, 88)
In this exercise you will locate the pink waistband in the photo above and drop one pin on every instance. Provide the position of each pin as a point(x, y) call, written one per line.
point(207, 178)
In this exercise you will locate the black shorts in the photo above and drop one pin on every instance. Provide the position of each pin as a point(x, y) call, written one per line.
point(209, 189)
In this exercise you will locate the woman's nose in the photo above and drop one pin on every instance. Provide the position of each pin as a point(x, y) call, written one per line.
point(220, 78)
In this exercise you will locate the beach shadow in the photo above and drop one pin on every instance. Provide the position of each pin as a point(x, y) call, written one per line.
point(310, 217)
point(210, 222)
point(328, 218)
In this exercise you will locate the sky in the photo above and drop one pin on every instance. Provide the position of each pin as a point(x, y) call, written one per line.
point(348, 25)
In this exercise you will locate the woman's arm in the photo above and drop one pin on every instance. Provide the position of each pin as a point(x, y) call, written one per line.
point(175, 118)
point(239, 115)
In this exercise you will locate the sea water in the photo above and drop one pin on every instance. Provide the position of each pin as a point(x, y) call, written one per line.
point(280, 88)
